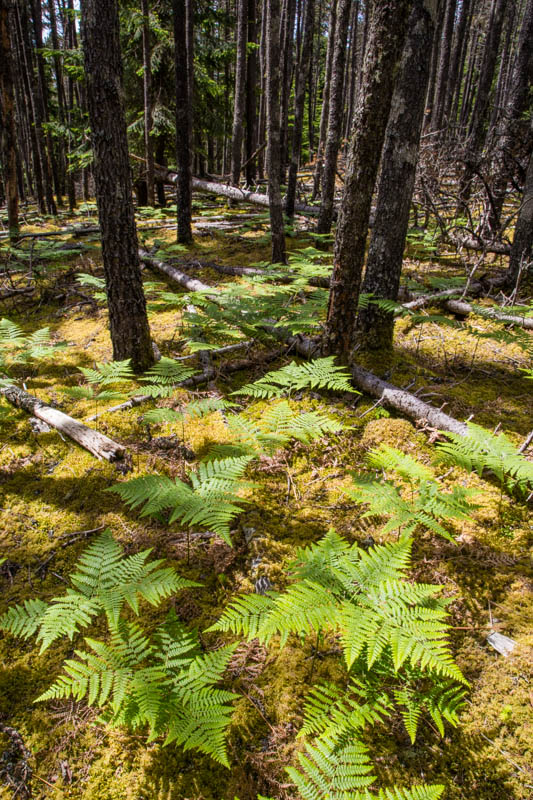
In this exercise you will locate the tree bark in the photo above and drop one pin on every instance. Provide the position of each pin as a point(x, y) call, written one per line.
point(522, 247)
point(239, 104)
point(128, 321)
point(183, 125)
point(302, 78)
point(317, 178)
point(395, 187)
point(439, 105)
point(96, 443)
point(251, 102)
point(273, 131)
point(336, 100)
point(147, 92)
point(509, 133)
point(7, 119)
point(386, 37)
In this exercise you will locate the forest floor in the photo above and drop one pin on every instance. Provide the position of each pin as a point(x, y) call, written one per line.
point(52, 499)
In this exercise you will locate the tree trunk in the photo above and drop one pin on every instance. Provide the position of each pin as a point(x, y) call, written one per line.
point(183, 125)
point(388, 26)
point(479, 118)
point(509, 133)
point(8, 139)
point(302, 78)
point(395, 188)
point(128, 321)
point(251, 102)
point(336, 99)
point(457, 59)
point(147, 91)
point(239, 105)
point(317, 178)
point(273, 130)
point(439, 105)
point(522, 248)
point(287, 56)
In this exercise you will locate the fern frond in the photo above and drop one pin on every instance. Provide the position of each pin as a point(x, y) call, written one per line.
point(322, 373)
point(482, 451)
point(112, 372)
point(333, 772)
point(23, 620)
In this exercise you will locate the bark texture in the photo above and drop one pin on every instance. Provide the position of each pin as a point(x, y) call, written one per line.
point(96, 443)
point(388, 27)
point(522, 247)
point(240, 94)
point(395, 188)
point(8, 139)
point(336, 100)
point(273, 131)
point(128, 322)
point(183, 125)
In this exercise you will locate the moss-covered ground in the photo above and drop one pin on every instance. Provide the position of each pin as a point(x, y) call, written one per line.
point(52, 493)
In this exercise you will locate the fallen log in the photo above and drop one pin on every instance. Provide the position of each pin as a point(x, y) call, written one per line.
point(463, 309)
point(96, 443)
point(176, 275)
point(475, 243)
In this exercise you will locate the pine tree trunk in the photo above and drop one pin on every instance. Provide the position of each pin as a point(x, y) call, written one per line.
point(240, 92)
point(128, 322)
point(480, 113)
point(317, 178)
point(287, 55)
point(437, 117)
point(273, 130)
point(387, 31)
point(183, 125)
point(522, 248)
point(302, 78)
point(147, 92)
point(509, 133)
point(8, 138)
point(457, 59)
point(336, 99)
point(395, 187)
point(251, 102)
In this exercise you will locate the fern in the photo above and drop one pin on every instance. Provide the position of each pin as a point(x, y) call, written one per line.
point(163, 377)
point(482, 451)
point(104, 579)
point(425, 504)
point(106, 374)
point(322, 373)
point(164, 683)
point(364, 597)
point(329, 771)
point(212, 501)
point(194, 410)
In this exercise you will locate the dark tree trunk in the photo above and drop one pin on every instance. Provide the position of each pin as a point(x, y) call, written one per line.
point(457, 58)
point(147, 91)
point(317, 178)
point(473, 58)
point(437, 116)
point(509, 133)
point(273, 130)
point(61, 103)
point(128, 321)
point(25, 68)
point(387, 30)
point(183, 125)
point(261, 136)
point(351, 70)
point(522, 248)
point(8, 139)
point(251, 102)
point(395, 187)
point(239, 105)
point(51, 166)
point(302, 78)
point(287, 55)
point(336, 98)
point(480, 114)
